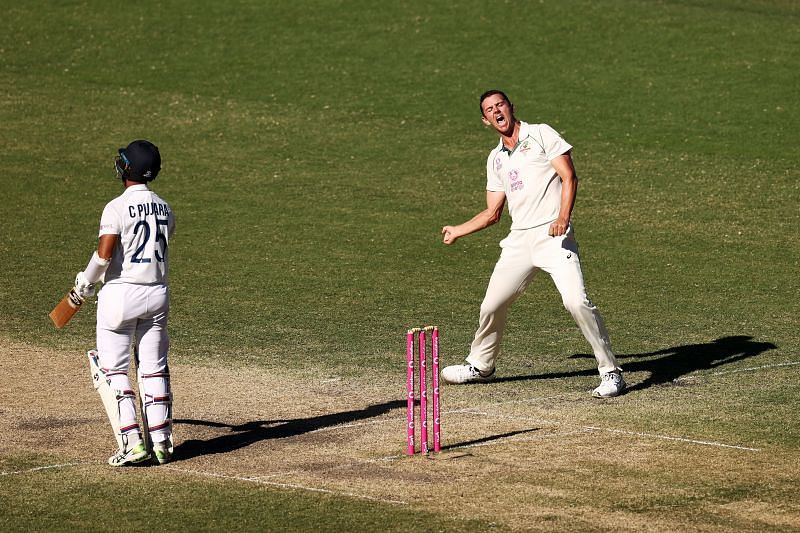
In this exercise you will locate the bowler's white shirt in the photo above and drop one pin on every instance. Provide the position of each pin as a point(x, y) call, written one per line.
point(531, 184)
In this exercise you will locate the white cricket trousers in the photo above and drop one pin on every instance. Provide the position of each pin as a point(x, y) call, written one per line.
point(524, 253)
point(126, 312)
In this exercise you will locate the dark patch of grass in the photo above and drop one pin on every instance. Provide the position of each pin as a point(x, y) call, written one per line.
point(100, 499)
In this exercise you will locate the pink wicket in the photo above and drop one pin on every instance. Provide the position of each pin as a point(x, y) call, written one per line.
point(423, 389)
point(410, 389)
point(423, 395)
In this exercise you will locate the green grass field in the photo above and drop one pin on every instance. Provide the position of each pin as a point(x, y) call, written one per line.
point(312, 152)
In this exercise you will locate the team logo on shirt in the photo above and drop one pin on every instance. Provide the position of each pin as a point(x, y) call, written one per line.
point(526, 145)
point(498, 164)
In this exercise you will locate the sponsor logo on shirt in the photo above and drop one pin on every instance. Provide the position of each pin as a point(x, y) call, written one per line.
point(516, 182)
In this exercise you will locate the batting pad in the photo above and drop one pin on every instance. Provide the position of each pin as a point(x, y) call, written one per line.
point(110, 397)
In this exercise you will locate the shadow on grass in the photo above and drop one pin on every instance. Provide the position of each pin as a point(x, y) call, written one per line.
point(483, 440)
point(242, 435)
point(669, 364)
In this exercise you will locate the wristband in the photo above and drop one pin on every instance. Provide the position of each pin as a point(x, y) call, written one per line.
point(96, 268)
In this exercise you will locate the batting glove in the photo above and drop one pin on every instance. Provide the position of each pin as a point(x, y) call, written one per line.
point(83, 287)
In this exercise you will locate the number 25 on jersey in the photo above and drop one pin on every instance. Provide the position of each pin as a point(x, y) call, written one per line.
point(144, 231)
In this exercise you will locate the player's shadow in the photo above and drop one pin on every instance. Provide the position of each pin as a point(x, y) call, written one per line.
point(484, 440)
point(242, 435)
point(667, 365)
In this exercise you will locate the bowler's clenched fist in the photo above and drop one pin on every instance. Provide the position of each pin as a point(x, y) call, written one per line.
point(449, 235)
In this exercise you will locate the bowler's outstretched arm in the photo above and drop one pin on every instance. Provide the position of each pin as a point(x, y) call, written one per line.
point(495, 201)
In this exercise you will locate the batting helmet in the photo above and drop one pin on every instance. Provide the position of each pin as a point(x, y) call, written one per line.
point(139, 161)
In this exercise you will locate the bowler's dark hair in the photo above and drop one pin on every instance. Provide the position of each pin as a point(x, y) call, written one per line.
point(489, 93)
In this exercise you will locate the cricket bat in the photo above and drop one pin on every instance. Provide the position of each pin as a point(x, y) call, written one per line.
point(66, 308)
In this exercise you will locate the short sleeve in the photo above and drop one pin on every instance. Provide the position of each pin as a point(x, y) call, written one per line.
point(493, 181)
point(110, 222)
point(552, 143)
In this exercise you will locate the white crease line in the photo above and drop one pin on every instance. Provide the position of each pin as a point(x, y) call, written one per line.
point(288, 485)
point(751, 369)
point(667, 437)
point(558, 397)
point(506, 417)
point(509, 402)
point(39, 468)
point(537, 399)
point(350, 425)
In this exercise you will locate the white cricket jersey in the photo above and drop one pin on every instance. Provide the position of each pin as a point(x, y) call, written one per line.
point(531, 184)
point(144, 223)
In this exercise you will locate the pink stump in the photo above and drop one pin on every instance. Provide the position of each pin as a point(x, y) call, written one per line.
point(437, 433)
point(410, 390)
point(423, 395)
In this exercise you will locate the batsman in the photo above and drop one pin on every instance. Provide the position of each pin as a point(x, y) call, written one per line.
point(132, 262)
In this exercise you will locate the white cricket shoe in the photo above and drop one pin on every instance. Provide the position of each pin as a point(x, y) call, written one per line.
point(456, 374)
point(611, 384)
point(137, 454)
point(161, 452)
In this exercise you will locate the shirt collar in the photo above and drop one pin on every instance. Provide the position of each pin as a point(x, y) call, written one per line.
point(523, 134)
point(136, 188)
